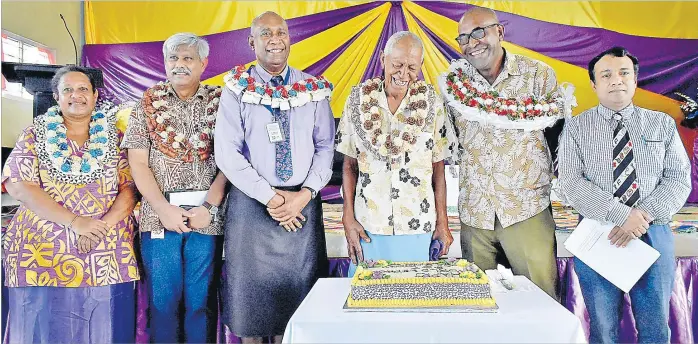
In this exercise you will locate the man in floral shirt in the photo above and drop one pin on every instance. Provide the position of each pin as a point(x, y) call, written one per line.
point(393, 133)
point(505, 170)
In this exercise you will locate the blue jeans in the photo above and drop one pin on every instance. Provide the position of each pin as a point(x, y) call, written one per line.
point(182, 273)
point(649, 297)
point(398, 248)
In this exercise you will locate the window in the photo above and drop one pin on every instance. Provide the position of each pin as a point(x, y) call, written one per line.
point(19, 49)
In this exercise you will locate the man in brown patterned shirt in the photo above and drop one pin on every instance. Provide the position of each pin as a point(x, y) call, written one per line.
point(170, 149)
point(505, 174)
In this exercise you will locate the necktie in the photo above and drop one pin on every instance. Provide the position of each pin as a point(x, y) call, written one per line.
point(625, 185)
point(284, 163)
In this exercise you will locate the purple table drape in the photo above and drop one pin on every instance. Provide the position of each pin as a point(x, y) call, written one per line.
point(683, 315)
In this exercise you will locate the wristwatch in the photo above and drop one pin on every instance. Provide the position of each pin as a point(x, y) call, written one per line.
point(313, 193)
point(212, 209)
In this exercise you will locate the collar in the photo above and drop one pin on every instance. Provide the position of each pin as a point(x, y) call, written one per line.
point(265, 76)
point(511, 66)
point(607, 113)
point(200, 92)
point(383, 100)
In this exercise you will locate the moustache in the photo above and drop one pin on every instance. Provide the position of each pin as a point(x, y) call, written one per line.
point(180, 70)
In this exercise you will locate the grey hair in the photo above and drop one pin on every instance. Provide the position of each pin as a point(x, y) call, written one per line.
point(396, 37)
point(188, 39)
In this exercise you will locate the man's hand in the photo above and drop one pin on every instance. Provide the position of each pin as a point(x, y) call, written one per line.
point(201, 219)
point(85, 244)
point(275, 202)
point(173, 218)
point(91, 228)
point(354, 233)
point(289, 213)
point(294, 224)
point(646, 216)
point(620, 237)
point(443, 234)
point(634, 227)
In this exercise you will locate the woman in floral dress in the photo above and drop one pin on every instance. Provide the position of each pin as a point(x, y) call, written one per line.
point(68, 251)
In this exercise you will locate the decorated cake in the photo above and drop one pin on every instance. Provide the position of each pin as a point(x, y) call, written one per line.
point(452, 283)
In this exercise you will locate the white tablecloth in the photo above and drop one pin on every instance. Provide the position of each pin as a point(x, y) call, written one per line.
point(525, 314)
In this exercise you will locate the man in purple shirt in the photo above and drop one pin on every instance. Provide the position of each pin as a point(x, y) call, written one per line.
point(275, 143)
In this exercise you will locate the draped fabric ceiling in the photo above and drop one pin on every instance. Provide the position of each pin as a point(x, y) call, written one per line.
point(342, 40)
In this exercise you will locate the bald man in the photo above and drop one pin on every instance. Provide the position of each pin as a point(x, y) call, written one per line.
point(276, 148)
point(394, 183)
point(505, 174)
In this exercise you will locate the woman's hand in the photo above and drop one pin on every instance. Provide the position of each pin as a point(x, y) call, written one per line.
point(93, 229)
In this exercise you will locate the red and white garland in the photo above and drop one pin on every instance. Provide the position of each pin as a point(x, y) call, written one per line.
point(282, 96)
point(475, 103)
point(163, 134)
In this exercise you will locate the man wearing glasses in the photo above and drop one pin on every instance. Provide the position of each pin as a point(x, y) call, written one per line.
point(505, 174)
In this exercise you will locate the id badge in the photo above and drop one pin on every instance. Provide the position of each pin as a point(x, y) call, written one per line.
point(274, 132)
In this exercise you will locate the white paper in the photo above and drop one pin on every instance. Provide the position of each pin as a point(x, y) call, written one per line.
point(189, 198)
point(622, 266)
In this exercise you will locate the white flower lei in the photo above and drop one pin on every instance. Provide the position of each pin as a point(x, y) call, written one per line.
point(52, 144)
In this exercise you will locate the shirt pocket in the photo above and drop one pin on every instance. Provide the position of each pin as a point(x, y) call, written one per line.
point(652, 161)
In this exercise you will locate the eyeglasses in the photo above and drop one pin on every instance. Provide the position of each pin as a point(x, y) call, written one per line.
point(477, 33)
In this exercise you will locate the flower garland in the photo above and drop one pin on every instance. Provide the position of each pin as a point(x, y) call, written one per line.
point(487, 107)
point(397, 141)
point(52, 144)
point(283, 97)
point(688, 106)
point(170, 142)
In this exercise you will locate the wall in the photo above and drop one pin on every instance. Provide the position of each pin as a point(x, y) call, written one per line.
point(40, 22)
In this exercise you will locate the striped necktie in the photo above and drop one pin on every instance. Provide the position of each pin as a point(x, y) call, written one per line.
point(625, 186)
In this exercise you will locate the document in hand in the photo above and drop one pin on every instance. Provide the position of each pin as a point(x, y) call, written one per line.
point(186, 199)
point(622, 266)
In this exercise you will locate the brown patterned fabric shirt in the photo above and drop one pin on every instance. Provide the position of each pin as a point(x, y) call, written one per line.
point(173, 174)
point(504, 173)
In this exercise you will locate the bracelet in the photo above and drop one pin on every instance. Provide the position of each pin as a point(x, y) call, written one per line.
point(70, 226)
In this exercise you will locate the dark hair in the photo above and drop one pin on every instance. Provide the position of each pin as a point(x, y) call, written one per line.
point(690, 123)
point(617, 52)
point(68, 69)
